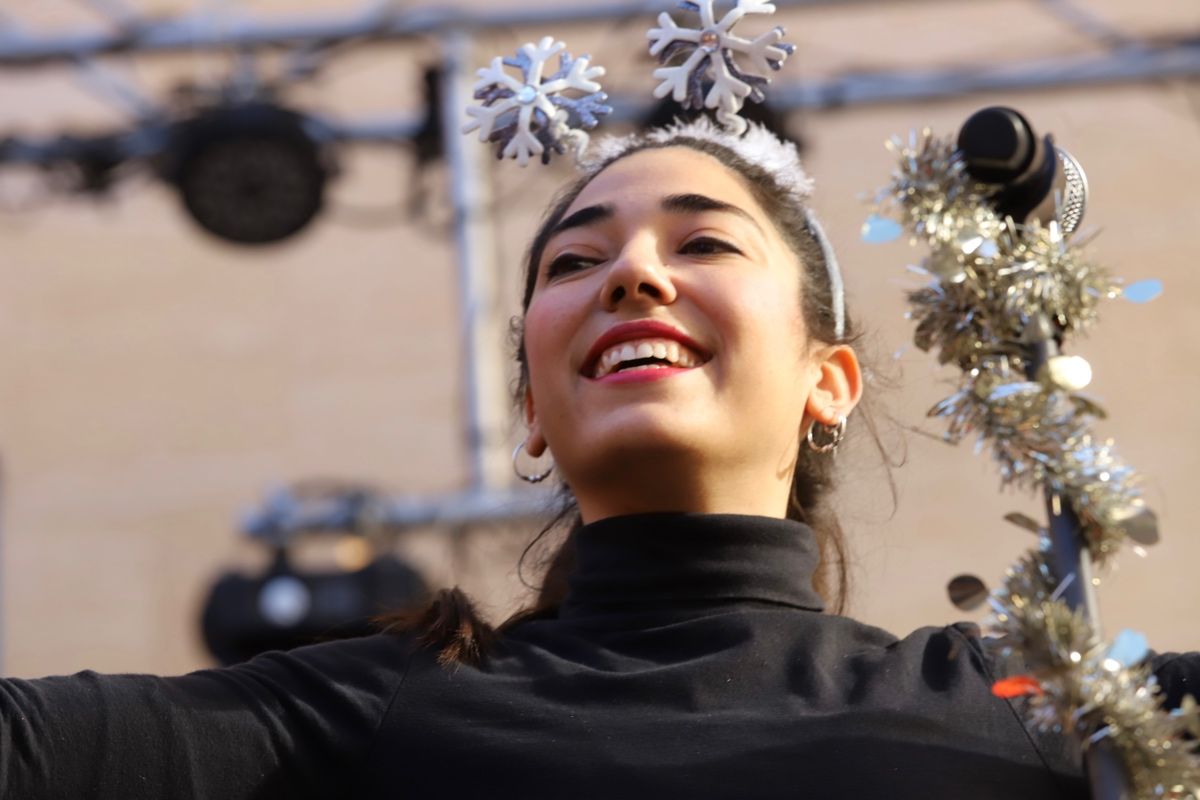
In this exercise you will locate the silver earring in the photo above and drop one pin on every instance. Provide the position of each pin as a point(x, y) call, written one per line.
point(831, 434)
point(538, 478)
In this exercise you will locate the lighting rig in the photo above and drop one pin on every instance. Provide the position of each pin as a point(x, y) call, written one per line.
point(289, 605)
point(252, 168)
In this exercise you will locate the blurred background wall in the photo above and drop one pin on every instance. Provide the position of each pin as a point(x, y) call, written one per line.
point(156, 382)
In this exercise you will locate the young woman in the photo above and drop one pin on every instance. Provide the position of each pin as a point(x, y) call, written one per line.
point(687, 362)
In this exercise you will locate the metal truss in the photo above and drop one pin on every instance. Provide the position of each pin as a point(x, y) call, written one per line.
point(374, 21)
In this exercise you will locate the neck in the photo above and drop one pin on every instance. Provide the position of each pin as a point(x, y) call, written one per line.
point(676, 562)
point(643, 486)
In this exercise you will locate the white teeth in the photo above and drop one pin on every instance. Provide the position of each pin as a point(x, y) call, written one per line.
point(665, 349)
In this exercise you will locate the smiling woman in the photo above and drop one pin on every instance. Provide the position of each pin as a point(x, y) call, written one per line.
point(679, 250)
point(683, 340)
point(687, 360)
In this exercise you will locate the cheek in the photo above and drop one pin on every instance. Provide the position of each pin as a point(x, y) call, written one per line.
point(762, 318)
point(549, 325)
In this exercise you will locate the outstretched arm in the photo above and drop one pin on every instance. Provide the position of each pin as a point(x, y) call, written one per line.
point(296, 724)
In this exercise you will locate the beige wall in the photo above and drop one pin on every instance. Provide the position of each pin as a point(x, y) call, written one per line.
point(154, 383)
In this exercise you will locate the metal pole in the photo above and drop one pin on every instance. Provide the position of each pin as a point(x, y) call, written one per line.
point(474, 237)
point(3, 626)
point(1072, 564)
point(284, 513)
point(371, 22)
point(842, 91)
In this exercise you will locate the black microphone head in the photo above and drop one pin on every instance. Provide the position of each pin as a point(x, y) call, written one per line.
point(998, 145)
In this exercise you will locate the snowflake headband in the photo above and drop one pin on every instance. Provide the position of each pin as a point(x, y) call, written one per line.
point(709, 52)
point(541, 114)
point(534, 115)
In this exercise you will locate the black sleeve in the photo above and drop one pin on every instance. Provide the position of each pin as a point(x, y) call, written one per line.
point(1178, 674)
point(296, 724)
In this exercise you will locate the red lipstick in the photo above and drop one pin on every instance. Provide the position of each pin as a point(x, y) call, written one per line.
point(641, 329)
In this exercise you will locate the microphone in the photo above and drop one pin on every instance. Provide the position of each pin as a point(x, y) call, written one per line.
point(1033, 178)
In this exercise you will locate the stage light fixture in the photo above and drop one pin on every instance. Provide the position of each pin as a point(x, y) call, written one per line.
point(288, 605)
point(252, 173)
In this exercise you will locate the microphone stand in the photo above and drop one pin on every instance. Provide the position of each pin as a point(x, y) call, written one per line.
point(1000, 302)
point(1072, 566)
point(1002, 149)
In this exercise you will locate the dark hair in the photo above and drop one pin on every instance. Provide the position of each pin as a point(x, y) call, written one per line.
point(450, 622)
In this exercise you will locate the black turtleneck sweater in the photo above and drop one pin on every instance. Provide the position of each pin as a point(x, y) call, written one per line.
point(691, 658)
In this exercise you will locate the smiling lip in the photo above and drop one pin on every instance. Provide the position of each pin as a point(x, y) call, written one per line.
point(642, 329)
point(642, 375)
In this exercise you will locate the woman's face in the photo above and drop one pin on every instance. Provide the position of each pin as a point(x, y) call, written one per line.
point(665, 341)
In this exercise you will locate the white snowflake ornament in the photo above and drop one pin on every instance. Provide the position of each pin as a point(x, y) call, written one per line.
point(710, 50)
point(532, 115)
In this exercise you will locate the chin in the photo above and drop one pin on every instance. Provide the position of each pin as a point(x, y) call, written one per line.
point(644, 433)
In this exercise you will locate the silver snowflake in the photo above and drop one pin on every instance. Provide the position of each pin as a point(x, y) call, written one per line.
point(710, 50)
point(531, 115)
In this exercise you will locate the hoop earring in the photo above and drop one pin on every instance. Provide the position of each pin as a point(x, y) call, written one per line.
point(833, 435)
point(538, 478)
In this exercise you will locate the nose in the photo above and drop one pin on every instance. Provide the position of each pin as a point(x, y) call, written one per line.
point(637, 276)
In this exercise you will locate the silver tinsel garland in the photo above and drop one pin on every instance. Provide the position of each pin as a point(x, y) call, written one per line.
point(992, 281)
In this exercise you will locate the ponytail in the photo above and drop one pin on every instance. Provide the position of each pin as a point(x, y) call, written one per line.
point(452, 626)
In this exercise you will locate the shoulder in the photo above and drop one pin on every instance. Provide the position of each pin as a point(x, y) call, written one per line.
point(946, 655)
point(1178, 674)
point(959, 643)
point(383, 650)
point(347, 668)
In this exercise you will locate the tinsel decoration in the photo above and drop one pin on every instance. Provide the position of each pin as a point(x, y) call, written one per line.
point(991, 283)
point(991, 280)
point(534, 115)
point(1076, 683)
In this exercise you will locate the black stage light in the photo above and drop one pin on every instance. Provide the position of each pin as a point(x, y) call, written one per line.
point(252, 173)
point(286, 606)
point(246, 615)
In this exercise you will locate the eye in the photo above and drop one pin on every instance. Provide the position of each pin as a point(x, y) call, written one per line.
point(569, 262)
point(707, 246)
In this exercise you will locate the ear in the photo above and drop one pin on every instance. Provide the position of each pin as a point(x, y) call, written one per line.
point(839, 385)
point(535, 443)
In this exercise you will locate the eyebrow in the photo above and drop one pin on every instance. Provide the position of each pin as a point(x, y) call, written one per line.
point(584, 216)
point(675, 203)
point(696, 203)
